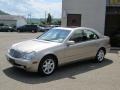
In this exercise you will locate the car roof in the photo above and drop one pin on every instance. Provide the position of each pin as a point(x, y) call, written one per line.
point(64, 28)
point(80, 28)
point(73, 28)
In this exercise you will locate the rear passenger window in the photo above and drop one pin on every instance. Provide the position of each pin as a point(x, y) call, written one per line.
point(90, 35)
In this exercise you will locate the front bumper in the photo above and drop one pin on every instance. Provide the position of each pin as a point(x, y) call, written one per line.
point(28, 65)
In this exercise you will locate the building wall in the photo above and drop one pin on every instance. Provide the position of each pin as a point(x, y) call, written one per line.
point(8, 22)
point(13, 20)
point(20, 22)
point(92, 11)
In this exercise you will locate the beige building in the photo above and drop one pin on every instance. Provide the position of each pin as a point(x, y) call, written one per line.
point(86, 13)
point(12, 20)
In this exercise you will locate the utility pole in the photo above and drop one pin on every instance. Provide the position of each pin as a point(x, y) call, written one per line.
point(29, 17)
point(45, 18)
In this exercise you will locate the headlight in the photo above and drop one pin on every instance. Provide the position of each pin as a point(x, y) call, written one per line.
point(29, 56)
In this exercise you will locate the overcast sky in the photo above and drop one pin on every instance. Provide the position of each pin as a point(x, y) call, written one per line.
point(37, 8)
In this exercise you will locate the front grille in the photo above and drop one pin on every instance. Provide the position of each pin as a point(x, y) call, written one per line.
point(15, 53)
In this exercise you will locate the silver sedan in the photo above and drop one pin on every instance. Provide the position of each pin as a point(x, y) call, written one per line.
point(56, 47)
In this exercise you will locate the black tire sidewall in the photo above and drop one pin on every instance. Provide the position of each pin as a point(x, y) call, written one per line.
point(96, 58)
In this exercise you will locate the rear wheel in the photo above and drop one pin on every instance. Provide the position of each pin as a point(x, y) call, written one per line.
point(47, 66)
point(100, 55)
point(33, 31)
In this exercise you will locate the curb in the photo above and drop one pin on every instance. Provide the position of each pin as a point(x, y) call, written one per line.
point(118, 50)
point(119, 53)
point(115, 48)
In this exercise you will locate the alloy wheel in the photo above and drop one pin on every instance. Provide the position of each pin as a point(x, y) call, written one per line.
point(48, 66)
point(100, 55)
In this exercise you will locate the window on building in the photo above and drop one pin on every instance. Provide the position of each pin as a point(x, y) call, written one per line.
point(113, 2)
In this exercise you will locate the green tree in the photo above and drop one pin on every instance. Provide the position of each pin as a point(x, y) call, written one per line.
point(57, 22)
point(49, 19)
point(42, 23)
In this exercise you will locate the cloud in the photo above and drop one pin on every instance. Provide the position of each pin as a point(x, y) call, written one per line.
point(37, 8)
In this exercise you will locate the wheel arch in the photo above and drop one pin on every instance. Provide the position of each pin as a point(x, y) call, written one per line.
point(51, 55)
point(41, 61)
point(103, 48)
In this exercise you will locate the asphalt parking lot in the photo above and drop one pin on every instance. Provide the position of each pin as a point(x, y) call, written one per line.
point(78, 76)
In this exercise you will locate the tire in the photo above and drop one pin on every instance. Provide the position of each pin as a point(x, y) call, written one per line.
point(18, 30)
point(9, 30)
point(47, 66)
point(33, 31)
point(100, 55)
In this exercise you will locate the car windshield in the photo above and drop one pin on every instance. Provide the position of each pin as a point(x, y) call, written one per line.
point(55, 35)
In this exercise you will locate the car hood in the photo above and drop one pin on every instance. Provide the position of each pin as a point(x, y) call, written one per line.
point(34, 45)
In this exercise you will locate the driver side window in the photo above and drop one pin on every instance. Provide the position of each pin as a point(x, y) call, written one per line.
point(77, 36)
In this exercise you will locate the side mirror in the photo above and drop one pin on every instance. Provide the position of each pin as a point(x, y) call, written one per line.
point(70, 43)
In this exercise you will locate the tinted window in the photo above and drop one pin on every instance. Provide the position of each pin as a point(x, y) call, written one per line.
point(77, 36)
point(90, 35)
point(83, 35)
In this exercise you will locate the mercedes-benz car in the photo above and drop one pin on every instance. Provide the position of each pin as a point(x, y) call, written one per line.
point(58, 46)
point(6, 28)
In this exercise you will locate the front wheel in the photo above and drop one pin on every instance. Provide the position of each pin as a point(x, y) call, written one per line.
point(100, 55)
point(47, 66)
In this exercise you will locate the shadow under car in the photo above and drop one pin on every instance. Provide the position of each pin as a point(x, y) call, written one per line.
point(66, 71)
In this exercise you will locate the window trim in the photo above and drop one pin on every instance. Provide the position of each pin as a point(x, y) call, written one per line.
point(92, 32)
point(83, 31)
point(73, 34)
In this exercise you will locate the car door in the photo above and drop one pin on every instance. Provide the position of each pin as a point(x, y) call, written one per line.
point(86, 45)
point(91, 44)
point(75, 51)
